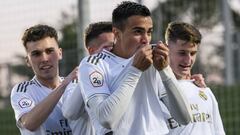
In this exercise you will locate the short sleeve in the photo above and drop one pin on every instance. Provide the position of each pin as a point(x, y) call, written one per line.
point(92, 79)
point(21, 102)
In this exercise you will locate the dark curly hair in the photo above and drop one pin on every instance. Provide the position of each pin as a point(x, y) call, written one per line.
point(38, 32)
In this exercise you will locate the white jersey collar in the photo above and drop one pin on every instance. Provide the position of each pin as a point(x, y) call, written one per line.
point(40, 85)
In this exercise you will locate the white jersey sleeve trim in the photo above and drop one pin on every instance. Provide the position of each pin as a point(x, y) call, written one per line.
point(19, 100)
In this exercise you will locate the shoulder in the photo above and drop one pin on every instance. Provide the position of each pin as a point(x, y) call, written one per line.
point(99, 58)
point(26, 86)
point(23, 87)
point(22, 96)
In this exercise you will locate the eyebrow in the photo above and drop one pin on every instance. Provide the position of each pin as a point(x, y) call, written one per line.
point(50, 48)
point(138, 28)
point(141, 28)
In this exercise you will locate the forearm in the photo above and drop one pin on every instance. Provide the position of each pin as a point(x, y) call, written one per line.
point(109, 110)
point(73, 105)
point(33, 119)
point(178, 104)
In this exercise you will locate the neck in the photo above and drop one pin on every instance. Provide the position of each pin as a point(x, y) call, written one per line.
point(184, 77)
point(117, 50)
point(50, 83)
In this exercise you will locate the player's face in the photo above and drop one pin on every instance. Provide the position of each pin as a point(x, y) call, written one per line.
point(43, 56)
point(137, 31)
point(104, 41)
point(182, 57)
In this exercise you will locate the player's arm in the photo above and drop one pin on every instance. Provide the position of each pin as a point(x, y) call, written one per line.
point(34, 118)
point(73, 105)
point(110, 108)
point(178, 104)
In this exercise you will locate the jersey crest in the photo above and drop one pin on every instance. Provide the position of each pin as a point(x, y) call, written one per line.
point(96, 79)
point(202, 95)
point(25, 102)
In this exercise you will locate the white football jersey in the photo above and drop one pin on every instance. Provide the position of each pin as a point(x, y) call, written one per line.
point(25, 96)
point(83, 125)
point(101, 74)
point(206, 118)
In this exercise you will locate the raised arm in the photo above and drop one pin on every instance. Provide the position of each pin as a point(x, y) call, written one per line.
point(178, 104)
point(110, 107)
point(34, 118)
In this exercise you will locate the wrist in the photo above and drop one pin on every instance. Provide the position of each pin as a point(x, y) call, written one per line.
point(166, 73)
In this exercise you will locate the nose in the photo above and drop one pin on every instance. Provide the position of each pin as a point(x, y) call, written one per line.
point(146, 38)
point(44, 56)
point(188, 58)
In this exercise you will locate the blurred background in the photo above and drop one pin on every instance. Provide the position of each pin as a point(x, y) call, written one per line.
point(218, 59)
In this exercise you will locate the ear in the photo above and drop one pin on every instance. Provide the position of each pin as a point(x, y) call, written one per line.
point(27, 61)
point(116, 32)
point(91, 50)
point(60, 53)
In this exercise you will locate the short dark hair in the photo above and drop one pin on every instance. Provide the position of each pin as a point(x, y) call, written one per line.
point(96, 29)
point(125, 10)
point(183, 31)
point(38, 32)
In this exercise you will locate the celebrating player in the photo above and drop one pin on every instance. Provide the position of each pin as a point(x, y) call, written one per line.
point(36, 102)
point(98, 36)
point(183, 40)
point(121, 87)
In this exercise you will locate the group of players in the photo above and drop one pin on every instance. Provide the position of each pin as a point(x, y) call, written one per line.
point(125, 87)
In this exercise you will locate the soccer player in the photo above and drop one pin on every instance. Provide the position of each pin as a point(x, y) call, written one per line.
point(183, 41)
point(121, 87)
point(98, 36)
point(36, 102)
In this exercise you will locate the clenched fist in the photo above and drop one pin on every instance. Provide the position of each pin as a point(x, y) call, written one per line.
point(143, 57)
point(160, 56)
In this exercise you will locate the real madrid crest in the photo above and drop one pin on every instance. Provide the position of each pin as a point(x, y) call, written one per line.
point(202, 95)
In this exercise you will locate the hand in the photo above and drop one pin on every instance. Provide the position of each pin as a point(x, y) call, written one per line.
point(199, 80)
point(70, 77)
point(160, 56)
point(143, 58)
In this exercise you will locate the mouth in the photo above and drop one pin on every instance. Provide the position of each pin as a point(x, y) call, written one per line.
point(185, 67)
point(45, 67)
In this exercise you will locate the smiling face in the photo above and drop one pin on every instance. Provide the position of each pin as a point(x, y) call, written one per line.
point(136, 32)
point(43, 57)
point(182, 57)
